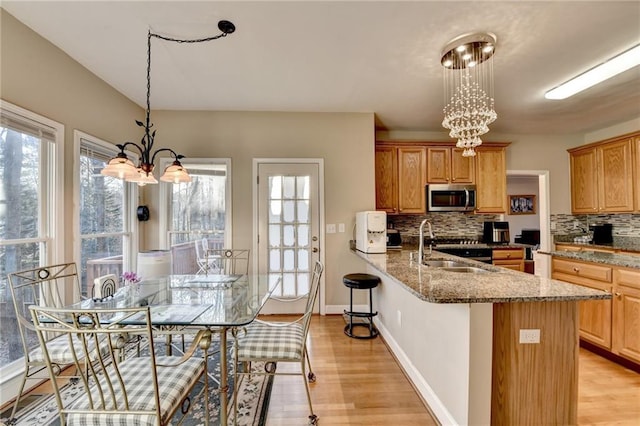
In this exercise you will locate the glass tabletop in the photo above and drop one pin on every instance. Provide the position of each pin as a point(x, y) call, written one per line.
point(198, 300)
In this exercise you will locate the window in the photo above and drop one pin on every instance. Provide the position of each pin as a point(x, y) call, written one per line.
point(197, 211)
point(31, 209)
point(106, 226)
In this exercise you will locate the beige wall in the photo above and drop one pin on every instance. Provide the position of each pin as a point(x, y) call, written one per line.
point(526, 152)
point(344, 141)
point(37, 76)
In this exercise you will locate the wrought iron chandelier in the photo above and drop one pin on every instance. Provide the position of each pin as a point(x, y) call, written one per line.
point(468, 87)
point(122, 167)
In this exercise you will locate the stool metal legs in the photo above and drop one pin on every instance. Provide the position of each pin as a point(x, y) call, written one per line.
point(348, 329)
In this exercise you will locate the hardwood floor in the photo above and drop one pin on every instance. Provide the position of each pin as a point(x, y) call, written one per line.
point(360, 383)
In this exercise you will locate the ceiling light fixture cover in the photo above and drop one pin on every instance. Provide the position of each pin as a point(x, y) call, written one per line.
point(614, 66)
point(468, 89)
point(123, 168)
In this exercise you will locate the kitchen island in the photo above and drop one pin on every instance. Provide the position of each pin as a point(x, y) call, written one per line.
point(457, 335)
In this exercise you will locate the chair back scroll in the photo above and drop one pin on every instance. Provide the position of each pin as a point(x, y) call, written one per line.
point(52, 286)
point(228, 261)
point(318, 268)
point(105, 286)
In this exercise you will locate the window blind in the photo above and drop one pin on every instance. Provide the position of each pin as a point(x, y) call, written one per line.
point(22, 124)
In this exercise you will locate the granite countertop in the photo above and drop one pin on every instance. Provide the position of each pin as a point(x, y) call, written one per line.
point(616, 259)
point(618, 243)
point(500, 285)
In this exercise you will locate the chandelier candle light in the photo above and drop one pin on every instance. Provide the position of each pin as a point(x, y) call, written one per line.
point(468, 87)
point(122, 167)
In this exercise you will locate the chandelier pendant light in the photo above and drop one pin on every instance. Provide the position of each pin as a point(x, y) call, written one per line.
point(468, 89)
point(122, 167)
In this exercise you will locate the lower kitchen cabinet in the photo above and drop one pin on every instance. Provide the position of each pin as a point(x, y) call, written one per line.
point(626, 308)
point(612, 324)
point(509, 258)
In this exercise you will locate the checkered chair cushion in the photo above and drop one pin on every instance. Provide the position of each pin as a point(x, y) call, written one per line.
point(59, 351)
point(269, 342)
point(173, 382)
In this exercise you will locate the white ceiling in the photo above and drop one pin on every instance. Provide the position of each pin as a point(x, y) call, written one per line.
point(352, 56)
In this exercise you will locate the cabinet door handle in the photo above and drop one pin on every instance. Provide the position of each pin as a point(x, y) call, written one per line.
point(576, 269)
point(618, 294)
point(508, 255)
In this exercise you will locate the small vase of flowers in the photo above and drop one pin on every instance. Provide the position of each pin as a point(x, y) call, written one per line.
point(130, 278)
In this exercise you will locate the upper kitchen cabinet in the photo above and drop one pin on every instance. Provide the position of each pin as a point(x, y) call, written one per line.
point(446, 165)
point(400, 178)
point(636, 171)
point(491, 178)
point(602, 177)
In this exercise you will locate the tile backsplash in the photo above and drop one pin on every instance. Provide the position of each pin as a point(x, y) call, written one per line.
point(623, 224)
point(450, 224)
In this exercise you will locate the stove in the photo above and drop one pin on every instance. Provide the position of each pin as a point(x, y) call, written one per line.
point(463, 247)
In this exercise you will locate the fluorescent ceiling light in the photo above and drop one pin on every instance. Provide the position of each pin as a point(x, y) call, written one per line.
point(613, 66)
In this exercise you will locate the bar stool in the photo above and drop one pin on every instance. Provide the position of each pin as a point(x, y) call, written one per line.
point(361, 282)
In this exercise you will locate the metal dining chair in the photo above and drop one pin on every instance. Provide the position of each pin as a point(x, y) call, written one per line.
point(144, 390)
point(228, 261)
point(42, 286)
point(274, 342)
point(105, 286)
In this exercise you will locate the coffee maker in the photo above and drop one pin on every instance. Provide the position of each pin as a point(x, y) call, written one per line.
point(496, 233)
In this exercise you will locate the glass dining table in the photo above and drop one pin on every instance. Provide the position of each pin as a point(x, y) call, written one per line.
point(217, 303)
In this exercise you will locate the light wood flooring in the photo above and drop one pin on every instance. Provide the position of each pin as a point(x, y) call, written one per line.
point(360, 383)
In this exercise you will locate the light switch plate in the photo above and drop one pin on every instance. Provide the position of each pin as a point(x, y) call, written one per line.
point(331, 228)
point(529, 336)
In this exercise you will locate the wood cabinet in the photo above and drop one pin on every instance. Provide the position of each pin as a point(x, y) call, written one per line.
point(602, 177)
point(509, 258)
point(491, 180)
point(584, 181)
point(626, 308)
point(595, 315)
point(611, 324)
point(636, 171)
point(403, 168)
point(581, 247)
point(400, 179)
point(446, 165)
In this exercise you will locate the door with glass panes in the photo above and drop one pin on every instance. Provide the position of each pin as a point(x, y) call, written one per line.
point(288, 230)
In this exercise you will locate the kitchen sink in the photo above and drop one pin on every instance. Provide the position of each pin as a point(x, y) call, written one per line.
point(466, 269)
point(445, 264)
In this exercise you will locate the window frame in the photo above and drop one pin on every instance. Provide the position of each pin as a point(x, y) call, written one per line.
point(52, 219)
point(164, 210)
point(130, 250)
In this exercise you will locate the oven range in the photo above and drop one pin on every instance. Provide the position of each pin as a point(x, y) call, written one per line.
point(467, 248)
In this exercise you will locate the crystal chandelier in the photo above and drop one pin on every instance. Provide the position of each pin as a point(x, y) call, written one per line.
point(121, 166)
point(468, 87)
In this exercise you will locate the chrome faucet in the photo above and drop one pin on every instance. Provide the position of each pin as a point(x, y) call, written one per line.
point(421, 246)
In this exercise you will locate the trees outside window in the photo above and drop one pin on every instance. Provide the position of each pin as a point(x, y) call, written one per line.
point(197, 211)
point(31, 210)
point(105, 209)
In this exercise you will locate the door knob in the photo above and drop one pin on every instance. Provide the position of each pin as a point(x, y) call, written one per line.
point(315, 249)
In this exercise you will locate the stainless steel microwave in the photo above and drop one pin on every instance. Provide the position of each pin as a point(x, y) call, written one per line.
point(450, 198)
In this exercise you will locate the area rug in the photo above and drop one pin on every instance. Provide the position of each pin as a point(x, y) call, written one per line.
point(253, 402)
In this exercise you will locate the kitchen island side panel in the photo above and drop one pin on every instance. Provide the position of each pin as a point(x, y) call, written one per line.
point(535, 383)
point(450, 368)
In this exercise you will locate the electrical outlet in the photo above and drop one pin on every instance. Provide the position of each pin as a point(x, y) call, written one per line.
point(529, 336)
point(553, 226)
point(341, 227)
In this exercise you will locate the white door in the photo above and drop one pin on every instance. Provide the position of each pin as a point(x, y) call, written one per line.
point(288, 241)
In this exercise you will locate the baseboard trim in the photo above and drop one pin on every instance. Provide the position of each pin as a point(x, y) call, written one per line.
point(439, 411)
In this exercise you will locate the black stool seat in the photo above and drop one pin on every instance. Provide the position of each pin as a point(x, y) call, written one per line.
point(361, 281)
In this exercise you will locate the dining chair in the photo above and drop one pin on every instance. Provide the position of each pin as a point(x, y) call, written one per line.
point(274, 342)
point(201, 247)
point(144, 390)
point(228, 261)
point(105, 286)
point(42, 286)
